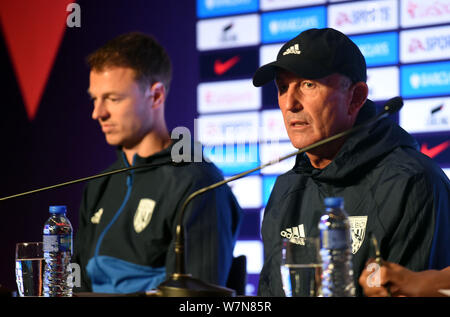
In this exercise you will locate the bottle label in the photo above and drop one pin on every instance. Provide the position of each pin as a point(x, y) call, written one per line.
point(57, 243)
point(334, 239)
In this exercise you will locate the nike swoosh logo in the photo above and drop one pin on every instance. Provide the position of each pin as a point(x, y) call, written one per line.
point(436, 150)
point(221, 68)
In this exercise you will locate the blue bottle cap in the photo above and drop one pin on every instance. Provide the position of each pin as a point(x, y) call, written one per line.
point(333, 202)
point(57, 209)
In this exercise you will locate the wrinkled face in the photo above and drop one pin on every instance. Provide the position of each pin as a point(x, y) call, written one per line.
point(121, 105)
point(313, 109)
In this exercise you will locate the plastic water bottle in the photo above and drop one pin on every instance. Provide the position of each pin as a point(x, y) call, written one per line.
point(57, 247)
point(335, 250)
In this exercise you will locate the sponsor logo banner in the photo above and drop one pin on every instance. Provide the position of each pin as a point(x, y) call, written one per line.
point(248, 191)
point(425, 79)
point(233, 31)
point(425, 115)
point(231, 95)
point(273, 151)
point(253, 250)
point(425, 44)
point(228, 128)
point(227, 64)
point(363, 16)
point(211, 8)
point(383, 82)
point(378, 49)
point(143, 214)
point(420, 12)
point(435, 146)
point(283, 4)
point(284, 25)
point(268, 53)
point(268, 183)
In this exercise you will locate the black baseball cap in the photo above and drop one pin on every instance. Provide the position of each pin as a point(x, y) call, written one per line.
point(316, 53)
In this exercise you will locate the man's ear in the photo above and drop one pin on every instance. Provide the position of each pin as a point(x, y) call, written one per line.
point(158, 91)
point(360, 92)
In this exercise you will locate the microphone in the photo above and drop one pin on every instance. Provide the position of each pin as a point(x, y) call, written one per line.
point(180, 284)
point(79, 180)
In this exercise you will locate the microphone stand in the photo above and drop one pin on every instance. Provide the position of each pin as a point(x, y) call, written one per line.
point(116, 171)
point(180, 284)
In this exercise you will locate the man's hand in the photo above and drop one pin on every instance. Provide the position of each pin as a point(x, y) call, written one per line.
point(391, 279)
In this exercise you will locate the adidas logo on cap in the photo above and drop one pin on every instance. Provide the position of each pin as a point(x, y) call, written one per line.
point(294, 49)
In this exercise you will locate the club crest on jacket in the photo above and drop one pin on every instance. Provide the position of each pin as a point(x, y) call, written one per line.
point(143, 214)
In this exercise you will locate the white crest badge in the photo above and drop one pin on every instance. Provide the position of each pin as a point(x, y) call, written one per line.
point(143, 214)
point(97, 216)
point(358, 231)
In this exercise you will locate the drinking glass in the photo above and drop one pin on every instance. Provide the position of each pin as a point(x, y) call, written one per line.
point(29, 268)
point(301, 267)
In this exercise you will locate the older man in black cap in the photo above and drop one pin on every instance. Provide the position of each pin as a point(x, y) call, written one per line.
point(390, 189)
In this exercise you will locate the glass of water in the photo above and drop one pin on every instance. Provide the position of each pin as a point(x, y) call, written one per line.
point(29, 268)
point(301, 268)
